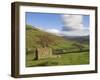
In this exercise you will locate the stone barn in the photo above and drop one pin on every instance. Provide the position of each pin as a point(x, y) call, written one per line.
point(42, 53)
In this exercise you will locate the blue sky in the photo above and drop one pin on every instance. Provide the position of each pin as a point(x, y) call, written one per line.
point(52, 21)
point(44, 20)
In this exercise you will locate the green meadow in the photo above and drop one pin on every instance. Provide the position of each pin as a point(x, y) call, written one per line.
point(65, 59)
point(76, 53)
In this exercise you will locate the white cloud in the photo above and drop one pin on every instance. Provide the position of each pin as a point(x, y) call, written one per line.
point(75, 33)
point(54, 31)
point(73, 22)
point(75, 26)
point(84, 32)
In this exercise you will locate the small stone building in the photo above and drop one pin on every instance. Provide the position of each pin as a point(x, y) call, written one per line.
point(42, 53)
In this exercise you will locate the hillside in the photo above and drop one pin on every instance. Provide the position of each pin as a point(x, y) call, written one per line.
point(80, 39)
point(71, 52)
point(32, 38)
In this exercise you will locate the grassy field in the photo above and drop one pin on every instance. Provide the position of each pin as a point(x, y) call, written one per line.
point(65, 59)
point(76, 52)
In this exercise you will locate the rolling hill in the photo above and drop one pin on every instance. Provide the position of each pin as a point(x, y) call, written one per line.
point(77, 53)
point(80, 39)
point(33, 36)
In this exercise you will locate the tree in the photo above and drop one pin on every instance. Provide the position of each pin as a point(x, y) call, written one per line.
point(45, 40)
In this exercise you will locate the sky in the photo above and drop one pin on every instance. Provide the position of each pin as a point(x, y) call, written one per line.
point(59, 24)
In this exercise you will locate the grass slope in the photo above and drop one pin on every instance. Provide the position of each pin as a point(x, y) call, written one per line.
point(65, 59)
point(32, 34)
